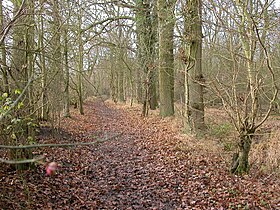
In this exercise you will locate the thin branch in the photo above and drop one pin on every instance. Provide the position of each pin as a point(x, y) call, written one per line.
point(269, 66)
point(59, 145)
point(110, 19)
point(9, 26)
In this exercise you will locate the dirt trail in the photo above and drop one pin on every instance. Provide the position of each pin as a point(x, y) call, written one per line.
point(141, 169)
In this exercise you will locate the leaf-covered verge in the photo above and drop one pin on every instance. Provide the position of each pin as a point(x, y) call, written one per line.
point(150, 166)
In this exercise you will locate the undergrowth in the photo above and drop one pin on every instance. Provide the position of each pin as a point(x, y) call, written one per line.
point(265, 155)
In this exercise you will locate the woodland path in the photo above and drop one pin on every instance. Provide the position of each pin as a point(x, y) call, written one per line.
point(145, 168)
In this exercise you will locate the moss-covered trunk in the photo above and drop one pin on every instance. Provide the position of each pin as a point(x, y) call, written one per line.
point(194, 93)
point(240, 162)
point(166, 56)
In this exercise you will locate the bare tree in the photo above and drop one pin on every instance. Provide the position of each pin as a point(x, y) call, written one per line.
point(245, 86)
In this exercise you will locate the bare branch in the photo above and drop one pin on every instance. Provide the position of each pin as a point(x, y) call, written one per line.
point(10, 24)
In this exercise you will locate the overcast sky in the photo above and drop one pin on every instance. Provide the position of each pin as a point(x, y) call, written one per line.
point(277, 2)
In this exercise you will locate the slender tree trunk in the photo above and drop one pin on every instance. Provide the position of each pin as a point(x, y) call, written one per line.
point(113, 86)
point(4, 68)
point(121, 84)
point(166, 57)
point(153, 89)
point(42, 57)
point(116, 84)
point(19, 61)
point(121, 69)
point(80, 66)
point(30, 46)
point(22, 46)
point(66, 75)
point(139, 89)
point(247, 35)
point(56, 88)
point(139, 70)
point(146, 38)
point(153, 99)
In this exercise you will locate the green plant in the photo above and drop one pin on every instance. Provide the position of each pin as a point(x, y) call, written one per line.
point(17, 126)
point(220, 131)
point(228, 146)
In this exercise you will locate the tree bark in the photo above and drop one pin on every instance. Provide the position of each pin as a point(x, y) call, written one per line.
point(80, 66)
point(166, 57)
point(55, 95)
point(240, 162)
point(42, 58)
point(146, 37)
point(4, 68)
point(66, 75)
point(153, 99)
point(22, 67)
point(193, 31)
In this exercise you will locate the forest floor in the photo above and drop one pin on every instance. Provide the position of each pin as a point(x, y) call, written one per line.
point(151, 165)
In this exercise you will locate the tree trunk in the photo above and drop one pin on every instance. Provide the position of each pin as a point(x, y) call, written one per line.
point(66, 75)
point(22, 67)
point(166, 57)
point(4, 68)
point(42, 57)
point(19, 64)
point(139, 89)
point(146, 38)
point(193, 31)
point(153, 90)
point(30, 46)
point(121, 85)
point(240, 161)
point(80, 67)
point(153, 99)
point(113, 78)
point(121, 69)
point(56, 87)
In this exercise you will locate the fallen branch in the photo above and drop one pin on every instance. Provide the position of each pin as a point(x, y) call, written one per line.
point(58, 145)
point(36, 159)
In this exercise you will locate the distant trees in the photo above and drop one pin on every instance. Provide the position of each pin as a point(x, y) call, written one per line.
point(38, 72)
point(57, 53)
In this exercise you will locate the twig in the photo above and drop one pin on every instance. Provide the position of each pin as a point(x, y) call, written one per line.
point(58, 145)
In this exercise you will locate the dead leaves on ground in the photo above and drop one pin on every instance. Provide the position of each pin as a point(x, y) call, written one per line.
point(142, 169)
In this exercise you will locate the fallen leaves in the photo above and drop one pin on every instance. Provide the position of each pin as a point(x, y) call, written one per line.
point(145, 168)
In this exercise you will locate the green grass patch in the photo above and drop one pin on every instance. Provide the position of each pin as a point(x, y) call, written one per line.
point(221, 131)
